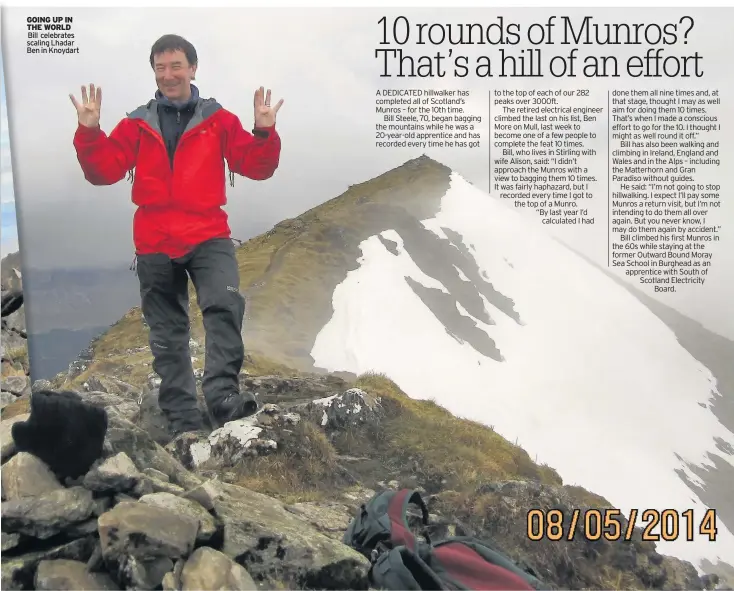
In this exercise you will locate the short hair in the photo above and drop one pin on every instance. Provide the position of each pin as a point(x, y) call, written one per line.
point(173, 43)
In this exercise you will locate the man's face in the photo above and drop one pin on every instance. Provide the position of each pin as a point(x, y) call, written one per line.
point(173, 74)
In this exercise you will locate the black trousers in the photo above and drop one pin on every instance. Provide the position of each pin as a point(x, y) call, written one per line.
point(164, 284)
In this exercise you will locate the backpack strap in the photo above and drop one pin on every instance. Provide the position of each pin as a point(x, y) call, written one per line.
point(397, 510)
point(381, 523)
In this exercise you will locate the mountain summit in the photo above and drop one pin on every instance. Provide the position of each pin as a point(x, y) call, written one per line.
point(457, 298)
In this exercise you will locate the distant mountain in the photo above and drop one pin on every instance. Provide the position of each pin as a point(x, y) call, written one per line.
point(418, 275)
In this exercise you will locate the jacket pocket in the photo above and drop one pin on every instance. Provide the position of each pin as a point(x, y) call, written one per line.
point(155, 273)
point(149, 190)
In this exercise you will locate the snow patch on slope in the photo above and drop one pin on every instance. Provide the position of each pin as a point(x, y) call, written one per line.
point(593, 383)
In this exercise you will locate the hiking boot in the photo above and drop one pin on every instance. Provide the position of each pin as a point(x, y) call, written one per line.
point(234, 406)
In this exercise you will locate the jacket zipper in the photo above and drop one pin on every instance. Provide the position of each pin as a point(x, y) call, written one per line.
point(178, 147)
point(180, 141)
point(165, 151)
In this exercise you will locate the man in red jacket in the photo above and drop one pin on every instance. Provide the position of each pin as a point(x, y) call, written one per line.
point(177, 144)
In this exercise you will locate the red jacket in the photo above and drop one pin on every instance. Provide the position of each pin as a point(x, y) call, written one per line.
point(179, 208)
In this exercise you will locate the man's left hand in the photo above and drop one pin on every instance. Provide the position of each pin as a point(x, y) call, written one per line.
point(264, 113)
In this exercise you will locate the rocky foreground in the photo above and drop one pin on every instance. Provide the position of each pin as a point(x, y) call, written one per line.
point(263, 502)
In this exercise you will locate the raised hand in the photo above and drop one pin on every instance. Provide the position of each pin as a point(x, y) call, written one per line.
point(264, 113)
point(88, 110)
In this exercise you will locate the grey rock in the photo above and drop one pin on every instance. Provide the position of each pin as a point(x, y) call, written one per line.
point(127, 410)
point(330, 518)
point(18, 571)
point(6, 398)
point(351, 409)
point(94, 384)
point(70, 575)
point(212, 570)
point(136, 572)
point(101, 505)
point(194, 448)
point(115, 474)
point(116, 386)
point(48, 514)
point(95, 563)
point(86, 354)
point(7, 445)
point(274, 544)
point(188, 507)
point(291, 418)
point(123, 498)
point(81, 529)
point(41, 385)
point(205, 494)
point(104, 399)
point(24, 475)
point(150, 417)
point(9, 541)
point(154, 381)
point(165, 486)
point(143, 487)
point(172, 580)
point(153, 473)
point(16, 385)
point(76, 368)
point(145, 532)
point(291, 390)
point(122, 435)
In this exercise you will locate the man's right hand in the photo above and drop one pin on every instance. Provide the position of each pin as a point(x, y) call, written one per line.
point(88, 110)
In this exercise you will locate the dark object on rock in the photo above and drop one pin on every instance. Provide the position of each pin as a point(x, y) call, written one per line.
point(64, 431)
point(234, 407)
point(11, 302)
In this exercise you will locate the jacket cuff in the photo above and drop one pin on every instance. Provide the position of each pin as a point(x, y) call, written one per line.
point(263, 132)
point(87, 133)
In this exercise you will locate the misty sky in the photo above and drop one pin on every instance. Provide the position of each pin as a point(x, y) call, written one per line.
point(322, 62)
